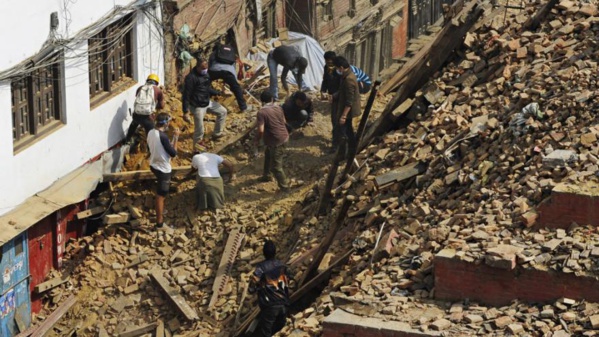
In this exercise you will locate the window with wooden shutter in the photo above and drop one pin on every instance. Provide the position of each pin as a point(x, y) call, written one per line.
point(110, 55)
point(36, 102)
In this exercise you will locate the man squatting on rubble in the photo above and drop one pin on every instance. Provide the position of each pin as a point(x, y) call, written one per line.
point(272, 127)
point(298, 111)
point(161, 152)
point(271, 282)
point(197, 90)
point(290, 59)
point(210, 189)
point(222, 67)
point(148, 98)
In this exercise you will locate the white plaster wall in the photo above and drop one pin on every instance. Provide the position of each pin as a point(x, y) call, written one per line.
point(86, 133)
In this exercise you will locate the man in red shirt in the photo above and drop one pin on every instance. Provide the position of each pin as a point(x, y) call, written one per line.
point(273, 128)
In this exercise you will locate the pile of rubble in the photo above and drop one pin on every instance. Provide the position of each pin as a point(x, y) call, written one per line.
point(506, 122)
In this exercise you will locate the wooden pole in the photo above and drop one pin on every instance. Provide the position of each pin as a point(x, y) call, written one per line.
point(325, 195)
point(326, 242)
point(350, 158)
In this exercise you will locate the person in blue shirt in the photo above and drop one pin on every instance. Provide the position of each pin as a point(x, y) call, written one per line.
point(363, 80)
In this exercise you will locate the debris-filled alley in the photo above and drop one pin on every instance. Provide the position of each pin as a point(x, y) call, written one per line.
point(468, 209)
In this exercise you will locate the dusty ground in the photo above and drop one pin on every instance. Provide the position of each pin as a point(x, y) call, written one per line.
point(101, 279)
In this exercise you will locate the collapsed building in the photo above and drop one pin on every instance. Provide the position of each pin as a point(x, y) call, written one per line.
point(474, 217)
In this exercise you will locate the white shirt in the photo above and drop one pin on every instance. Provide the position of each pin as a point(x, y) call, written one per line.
point(207, 164)
point(159, 145)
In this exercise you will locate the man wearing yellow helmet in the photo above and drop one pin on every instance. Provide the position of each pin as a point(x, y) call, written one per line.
point(147, 98)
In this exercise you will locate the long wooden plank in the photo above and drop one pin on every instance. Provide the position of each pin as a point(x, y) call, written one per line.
point(423, 65)
point(400, 174)
point(43, 328)
point(178, 300)
point(234, 242)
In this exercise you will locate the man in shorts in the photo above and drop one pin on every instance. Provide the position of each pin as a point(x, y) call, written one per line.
point(161, 152)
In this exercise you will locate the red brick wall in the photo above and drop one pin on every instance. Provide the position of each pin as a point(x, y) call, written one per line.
point(400, 35)
point(563, 208)
point(457, 280)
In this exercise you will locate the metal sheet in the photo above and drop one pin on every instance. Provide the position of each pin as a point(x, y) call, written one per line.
point(67, 190)
point(14, 286)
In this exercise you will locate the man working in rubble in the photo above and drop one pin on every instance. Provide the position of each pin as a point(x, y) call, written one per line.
point(272, 128)
point(271, 282)
point(290, 59)
point(161, 152)
point(346, 106)
point(331, 79)
point(298, 111)
point(222, 67)
point(197, 91)
point(148, 98)
point(210, 189)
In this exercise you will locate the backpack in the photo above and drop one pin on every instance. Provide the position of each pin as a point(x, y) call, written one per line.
point(144, 102)
point(225, 54)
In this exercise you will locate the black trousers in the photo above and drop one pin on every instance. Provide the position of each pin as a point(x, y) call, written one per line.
point(271, 320)
point(143, 120)
point(231, 81)
point(347, 130)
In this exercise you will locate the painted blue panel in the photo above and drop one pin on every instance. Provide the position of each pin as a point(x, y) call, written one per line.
point(14, 264)
point(14, 295)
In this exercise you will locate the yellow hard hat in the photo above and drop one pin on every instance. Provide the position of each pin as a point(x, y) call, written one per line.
point(154, 78)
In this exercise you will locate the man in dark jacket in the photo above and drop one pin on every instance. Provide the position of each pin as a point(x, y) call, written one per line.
point(271, 282)
point(197, 91)
point(290, 59)
point(298, 110)
point(347, 103)
point(330, 78)
point(223, 70)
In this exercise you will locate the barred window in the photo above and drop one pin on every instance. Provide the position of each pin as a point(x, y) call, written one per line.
point(36, 97)
point(110, 60)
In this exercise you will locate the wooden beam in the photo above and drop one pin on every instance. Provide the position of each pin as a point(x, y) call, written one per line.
point(138, 331)
point(325, 195)
point(89, 212)
point(422, 66)
point(400, 174)
point(297, 294)
point(319, 278)
point(535, 21)
point(51, 320)
point(182, 306)
point(177, 171)
point(53, 283)
point(326, 242)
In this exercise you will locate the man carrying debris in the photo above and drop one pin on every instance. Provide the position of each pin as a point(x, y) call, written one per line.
point(290, 59)
point(148, 97)
point(222, 67)
point(161, 152)
point(271, 282)
point(210, 188)
point(272, 127)
point(347, 104)
point(298, 111)
point(197, 91)
point(363, 80)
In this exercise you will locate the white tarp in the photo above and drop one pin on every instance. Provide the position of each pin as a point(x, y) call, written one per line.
point(308, 48)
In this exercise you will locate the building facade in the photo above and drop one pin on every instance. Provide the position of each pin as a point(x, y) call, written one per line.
point(68, 76)
point(370, 33)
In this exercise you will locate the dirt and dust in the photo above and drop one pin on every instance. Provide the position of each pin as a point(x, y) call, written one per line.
point(114, 294)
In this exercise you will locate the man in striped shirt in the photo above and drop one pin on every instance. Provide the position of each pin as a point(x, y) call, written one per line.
point(363, 80)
